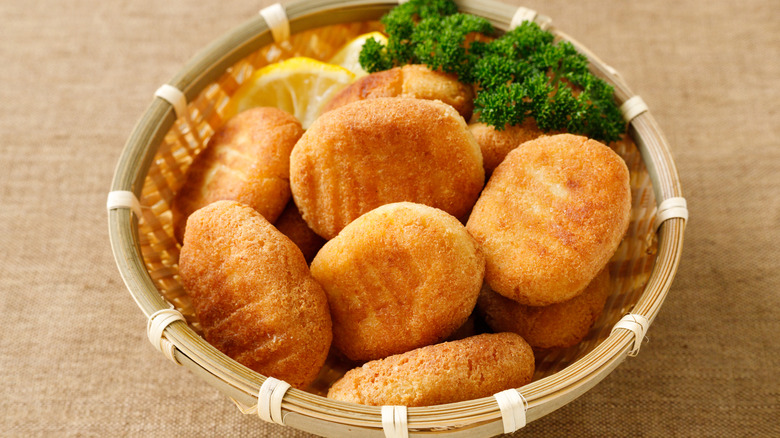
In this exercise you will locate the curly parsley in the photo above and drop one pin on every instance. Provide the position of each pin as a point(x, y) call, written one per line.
point(523, 73)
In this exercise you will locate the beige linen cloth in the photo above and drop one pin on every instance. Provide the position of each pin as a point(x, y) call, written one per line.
point(75, 76)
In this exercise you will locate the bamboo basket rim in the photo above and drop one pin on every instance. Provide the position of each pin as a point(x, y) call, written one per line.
point(480, 416)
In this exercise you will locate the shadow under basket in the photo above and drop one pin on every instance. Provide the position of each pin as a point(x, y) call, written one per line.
point(169, 135)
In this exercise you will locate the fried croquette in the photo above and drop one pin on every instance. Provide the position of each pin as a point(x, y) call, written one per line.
point(399, 277)
point(550, 217)
point(449, 372)
point(253, 293)
point(374, 152)
point(413, 80)
point(555, 326)
point(292, 225)
point(495, 144)
point(247, 160)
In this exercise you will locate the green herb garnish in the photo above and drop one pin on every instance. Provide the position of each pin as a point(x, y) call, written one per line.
point(523, 73)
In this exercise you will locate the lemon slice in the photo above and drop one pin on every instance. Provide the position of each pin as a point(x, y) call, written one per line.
point(301, 86)
point(348, 55)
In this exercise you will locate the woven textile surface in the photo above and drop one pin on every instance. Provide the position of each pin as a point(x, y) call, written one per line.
point(77, 75)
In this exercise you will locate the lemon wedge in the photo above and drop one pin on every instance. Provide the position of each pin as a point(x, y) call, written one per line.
point(301, 86)
point(349, 54)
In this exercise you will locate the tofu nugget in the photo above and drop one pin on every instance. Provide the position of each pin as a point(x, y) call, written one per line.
point(247, 160)
point(470, 368)
point(414, 80)
point(551, 217)
point(292, 225)
point(555, 326)
point(374, 152)
point(399, 277)
point(253, 293)
point(496, 144)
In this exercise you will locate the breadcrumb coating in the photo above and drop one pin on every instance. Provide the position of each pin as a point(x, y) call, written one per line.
point(253, 293)
point(449, 372)
point(550, 218)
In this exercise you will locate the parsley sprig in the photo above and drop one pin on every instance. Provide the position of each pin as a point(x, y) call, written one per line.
point(523, 73)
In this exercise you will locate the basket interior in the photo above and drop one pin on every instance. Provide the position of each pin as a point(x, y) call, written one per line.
point(630, 267)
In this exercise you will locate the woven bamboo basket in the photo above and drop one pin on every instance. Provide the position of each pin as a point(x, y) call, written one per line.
point(166, 139)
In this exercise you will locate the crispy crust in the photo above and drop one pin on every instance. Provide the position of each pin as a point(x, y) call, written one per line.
point(550, 218)
point(399, 277)
point(416, 81)
point(374, 152)
point(466, 369)
point(496, 144)
point(555, 326)
point(247, 160)
point(253, 293)
point(292, 225)
point(387, 83)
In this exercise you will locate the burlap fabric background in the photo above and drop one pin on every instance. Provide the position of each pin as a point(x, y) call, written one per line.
point(75, 76)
